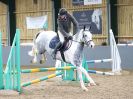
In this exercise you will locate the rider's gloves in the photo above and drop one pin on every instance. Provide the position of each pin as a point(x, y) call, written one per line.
point(69, 37)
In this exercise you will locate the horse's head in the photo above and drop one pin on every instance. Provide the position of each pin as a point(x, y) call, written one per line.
point(87, 37)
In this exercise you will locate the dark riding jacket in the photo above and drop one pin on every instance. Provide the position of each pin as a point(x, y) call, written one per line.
point(64, 26)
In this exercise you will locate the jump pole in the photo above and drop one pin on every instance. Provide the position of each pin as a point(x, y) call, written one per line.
point(40, 79)
point(101, 73)
point(47, 69)
point(99, 61)
point(125, 44)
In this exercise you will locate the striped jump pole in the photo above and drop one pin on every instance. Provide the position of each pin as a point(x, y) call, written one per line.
point(100, 73)
point(40, 79)
point(47, 69)
point(99, 61)
point(124, 44)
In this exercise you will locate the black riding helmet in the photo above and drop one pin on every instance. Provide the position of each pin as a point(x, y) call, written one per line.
point(62, 11)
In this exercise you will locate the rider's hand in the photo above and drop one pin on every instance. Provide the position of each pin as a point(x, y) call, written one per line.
point(70, 38)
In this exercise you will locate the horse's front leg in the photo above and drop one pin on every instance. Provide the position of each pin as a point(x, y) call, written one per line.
point(81, 79)
point(58, 65)
point(91, 82)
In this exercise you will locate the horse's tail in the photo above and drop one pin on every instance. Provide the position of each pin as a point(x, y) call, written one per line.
point(34, 48)
point(36, 35)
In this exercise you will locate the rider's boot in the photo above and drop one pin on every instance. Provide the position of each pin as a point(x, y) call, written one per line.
point(55, 50)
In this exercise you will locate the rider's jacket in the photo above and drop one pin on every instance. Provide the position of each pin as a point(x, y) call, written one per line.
point(64, 25)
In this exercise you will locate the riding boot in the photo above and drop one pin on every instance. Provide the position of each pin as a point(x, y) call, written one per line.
point(55, 50)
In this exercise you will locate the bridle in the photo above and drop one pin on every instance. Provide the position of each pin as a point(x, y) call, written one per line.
point(85, 42)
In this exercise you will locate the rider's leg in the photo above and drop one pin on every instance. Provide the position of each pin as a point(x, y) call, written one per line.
point(61, 38)
point(55, 50)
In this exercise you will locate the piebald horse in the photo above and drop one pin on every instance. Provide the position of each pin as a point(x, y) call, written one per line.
point(73, 55)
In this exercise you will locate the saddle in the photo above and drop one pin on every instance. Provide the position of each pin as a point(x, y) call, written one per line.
point(65, 46)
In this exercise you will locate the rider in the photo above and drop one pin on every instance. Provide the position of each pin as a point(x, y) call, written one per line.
point(64, 27)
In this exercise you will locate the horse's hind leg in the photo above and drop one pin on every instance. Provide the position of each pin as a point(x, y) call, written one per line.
point(81, 79)
point(43, 59)
point(33, 53)
point(34, 60)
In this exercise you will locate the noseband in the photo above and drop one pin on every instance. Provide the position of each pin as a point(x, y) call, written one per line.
point(85, 41)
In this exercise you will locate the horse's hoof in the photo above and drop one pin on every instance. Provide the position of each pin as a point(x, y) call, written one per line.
point(91, 84)
point(33, 62)
point(85, 89)
point(42, 61)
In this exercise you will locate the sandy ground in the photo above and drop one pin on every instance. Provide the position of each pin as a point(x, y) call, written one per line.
point(108, 87)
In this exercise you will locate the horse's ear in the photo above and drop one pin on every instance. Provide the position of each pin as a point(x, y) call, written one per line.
point(84, 27)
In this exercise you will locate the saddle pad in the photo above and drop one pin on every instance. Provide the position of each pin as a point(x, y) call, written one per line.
point(54, 42)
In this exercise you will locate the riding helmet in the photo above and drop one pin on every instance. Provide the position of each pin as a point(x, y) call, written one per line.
point(62, 11)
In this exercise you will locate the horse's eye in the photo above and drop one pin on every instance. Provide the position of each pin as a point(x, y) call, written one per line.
point(85, 35)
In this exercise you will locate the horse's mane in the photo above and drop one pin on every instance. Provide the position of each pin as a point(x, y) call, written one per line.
point(77, 35)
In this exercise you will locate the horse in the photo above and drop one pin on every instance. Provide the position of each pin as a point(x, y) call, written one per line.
point(73, 54)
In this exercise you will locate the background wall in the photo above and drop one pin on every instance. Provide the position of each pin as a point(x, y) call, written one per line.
point(125, 20)
point(98, 38)
point(26, 8)
point(3, 21)
point(31, 8)
point(99, 52)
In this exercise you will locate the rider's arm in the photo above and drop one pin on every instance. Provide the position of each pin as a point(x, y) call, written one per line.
point(75, 24)
point(61, 29)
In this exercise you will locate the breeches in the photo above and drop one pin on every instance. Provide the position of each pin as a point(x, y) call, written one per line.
point(61, 37)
